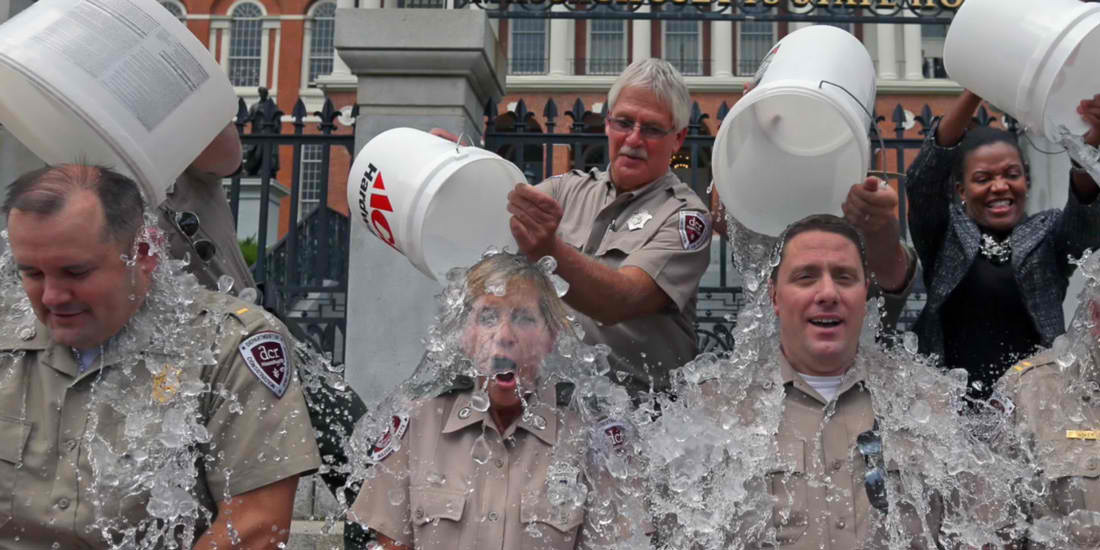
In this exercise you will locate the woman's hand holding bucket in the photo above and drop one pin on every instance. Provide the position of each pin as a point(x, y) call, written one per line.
point(535, 219)
point(1089, 109)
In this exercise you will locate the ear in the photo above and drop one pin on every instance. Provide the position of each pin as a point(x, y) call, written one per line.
point(680, 137)
point(146, 260)
point(960, 189)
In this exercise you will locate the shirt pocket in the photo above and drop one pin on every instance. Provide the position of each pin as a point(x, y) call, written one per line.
point(623, 241)
point(787, 485)
point(436, 516)
point(14, 434)
point(1072, 470)
point(556, 525)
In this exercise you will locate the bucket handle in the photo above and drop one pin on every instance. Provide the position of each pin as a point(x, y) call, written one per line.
point(458, 142)
point(874, 131)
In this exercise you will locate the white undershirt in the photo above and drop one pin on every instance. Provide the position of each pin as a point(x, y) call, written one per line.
point(86, 357)
point(827, 386)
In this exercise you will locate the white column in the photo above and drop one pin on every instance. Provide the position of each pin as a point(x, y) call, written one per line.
point(339, 68)
point(721, 48)
point(559, 44)
point(643, 37)
point(914, 61)
point(887, 51)
point(371, 4)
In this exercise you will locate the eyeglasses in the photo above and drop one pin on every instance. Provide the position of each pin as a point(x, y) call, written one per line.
point(869, 444)
point(625, 126)
point(188, 224)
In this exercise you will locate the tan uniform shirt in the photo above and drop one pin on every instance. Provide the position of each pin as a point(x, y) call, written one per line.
point(663, 229)
point(1067, 450)
point(429, 491)
point(205, 197)
point(820, 498)
point(50, 416)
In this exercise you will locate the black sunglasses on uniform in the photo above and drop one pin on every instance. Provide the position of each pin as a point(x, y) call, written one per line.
point(869, 444)
point(188, 224)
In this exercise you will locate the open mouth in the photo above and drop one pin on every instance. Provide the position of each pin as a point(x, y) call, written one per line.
point(825, 322)
point(1000, 205)
point(504, 370)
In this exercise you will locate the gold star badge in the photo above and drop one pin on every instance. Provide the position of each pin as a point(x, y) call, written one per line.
point(166, 383)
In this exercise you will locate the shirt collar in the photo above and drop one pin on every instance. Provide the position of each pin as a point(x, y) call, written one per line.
point(853, 376)
point(654, 186)
point(541, 418)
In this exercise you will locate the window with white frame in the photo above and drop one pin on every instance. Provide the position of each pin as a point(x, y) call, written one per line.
point(683, 43)
point(606, 44)
point(528, 42)
point(754, 41)
point(245, 44)
point(309, 181)
point(176, 9)
point(322, 25)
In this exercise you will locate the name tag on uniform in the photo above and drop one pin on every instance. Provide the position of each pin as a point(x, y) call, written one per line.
point(1083, 434)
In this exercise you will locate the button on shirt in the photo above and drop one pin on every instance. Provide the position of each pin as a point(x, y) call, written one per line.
point(431, 492)
point(597, 221)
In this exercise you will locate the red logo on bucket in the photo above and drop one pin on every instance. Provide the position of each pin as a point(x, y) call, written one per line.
point(373, 205)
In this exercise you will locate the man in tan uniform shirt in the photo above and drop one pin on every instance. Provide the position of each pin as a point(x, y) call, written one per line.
point(127, 377)
point(633, 241)
point(1056, 415)
point(817, 481)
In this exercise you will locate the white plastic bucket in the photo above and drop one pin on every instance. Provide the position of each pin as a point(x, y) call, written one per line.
point(440, 204)
point(796, 143)
point(1036, 60)
point(116, 82)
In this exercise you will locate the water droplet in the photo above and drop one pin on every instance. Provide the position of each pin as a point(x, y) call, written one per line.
point(548, 264)
point(909, 340)
point(561, 286)
point(479, 401)
point(225, 283)
point(396, 496)
point(481, 452)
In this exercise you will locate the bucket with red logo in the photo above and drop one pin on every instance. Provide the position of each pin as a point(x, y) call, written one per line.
point(439, 203)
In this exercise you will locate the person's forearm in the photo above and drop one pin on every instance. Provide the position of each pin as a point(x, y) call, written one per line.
point(1084, 186)
point(957, 119)
point(598, 291)
point(254, 535)
point(886, 258)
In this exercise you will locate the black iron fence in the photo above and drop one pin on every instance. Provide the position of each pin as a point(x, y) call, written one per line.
point(301, 274)
point(538, 145)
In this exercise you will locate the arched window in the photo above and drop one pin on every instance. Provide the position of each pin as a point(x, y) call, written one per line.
point(320, 27)
point(245, 44)
point(175, 8)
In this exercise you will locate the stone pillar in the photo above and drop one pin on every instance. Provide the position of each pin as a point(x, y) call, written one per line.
point(914, 61)
point(887, 51)
point(421, 69)
point(559, 44)
point(8, 8)
point(721, 48)
point(643, 37)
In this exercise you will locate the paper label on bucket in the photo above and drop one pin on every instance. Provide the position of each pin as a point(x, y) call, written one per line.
point(130, 54)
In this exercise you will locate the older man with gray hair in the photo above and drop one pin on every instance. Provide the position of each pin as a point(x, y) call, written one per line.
point(631, 240)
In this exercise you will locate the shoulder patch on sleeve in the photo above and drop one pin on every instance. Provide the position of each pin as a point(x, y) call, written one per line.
point(390, 440)
point(611, 437)
point(694, 229)
point(265, 353)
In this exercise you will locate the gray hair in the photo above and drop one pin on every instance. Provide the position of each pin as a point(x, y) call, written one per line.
point(661, 78)
point(45, 191)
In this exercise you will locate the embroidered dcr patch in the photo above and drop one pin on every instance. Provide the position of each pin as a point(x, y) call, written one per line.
point(390, 440)
point(265, 354)
point(694, 229)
